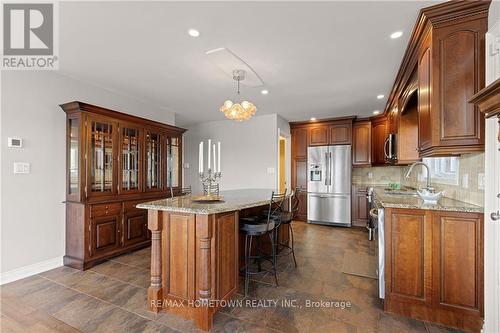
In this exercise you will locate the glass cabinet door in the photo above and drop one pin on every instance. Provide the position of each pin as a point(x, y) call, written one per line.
point(101, 156)
point(153, 160)
point(73, 156)
point(130, 159)
point(173, 156)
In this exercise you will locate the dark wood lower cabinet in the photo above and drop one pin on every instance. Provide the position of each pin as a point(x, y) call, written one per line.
point(360, 206)
point(95, 232)
point(434, 266)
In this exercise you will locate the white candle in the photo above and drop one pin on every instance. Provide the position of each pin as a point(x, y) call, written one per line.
point(200, 161)
point(209, 145)
point(215, 169)
point(218, 156)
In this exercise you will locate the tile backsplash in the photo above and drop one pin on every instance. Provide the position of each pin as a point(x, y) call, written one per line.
point(470, 186)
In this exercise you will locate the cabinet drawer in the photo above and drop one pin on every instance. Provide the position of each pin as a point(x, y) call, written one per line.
point(130, 206)
point(105, 209)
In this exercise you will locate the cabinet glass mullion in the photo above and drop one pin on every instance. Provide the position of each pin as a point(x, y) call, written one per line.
point(74, 155)
point(130, 159)
point(153, 160)
point(101, 156)
point(172, 173)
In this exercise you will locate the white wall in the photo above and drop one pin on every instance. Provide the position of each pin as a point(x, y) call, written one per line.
point(32, 212)
point(249, 148)
point(494, 13)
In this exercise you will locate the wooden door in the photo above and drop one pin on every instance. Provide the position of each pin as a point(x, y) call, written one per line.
point(362, 144)
point(458, 261)
point(135, 224)
point(407, 144)
point(458, 73)
point(319, 135)
point(379, 135)
point(102, 156)
point(360, 205)
point(105, 228)
point(392, 120)
point(299, 142)
point(424, 98)
point(340, 134)
point(408, 255)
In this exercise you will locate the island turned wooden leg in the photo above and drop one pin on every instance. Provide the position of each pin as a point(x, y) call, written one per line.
point(204, 225)
point(155, 224)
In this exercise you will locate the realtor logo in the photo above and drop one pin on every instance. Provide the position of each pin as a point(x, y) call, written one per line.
point(29, 36)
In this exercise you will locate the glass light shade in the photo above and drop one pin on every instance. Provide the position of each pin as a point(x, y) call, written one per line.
point(237, 111)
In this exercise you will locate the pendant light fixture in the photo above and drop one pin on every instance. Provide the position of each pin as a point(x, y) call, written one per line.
point(238, 111)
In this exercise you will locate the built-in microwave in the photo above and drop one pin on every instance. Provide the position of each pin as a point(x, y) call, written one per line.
point(390, 151)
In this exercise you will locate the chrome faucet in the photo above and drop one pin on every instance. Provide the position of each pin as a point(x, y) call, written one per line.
point(428, 187)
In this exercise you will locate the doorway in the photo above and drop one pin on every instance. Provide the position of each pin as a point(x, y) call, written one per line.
point(282, 164)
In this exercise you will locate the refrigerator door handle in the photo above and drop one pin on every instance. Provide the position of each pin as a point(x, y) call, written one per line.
point(331, 168)
point(327, 161)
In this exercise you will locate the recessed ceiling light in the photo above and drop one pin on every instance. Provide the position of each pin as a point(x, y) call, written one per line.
point(380, 96)
point(193, 32)
point(396, 34)
point(313, 119)
point(264, 92)
point(376, 112)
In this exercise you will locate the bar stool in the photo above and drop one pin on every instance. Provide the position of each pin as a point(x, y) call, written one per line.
point(286, 219)
point(256, 226)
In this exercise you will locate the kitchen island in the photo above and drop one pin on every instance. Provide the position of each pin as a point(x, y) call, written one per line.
point(195, 252)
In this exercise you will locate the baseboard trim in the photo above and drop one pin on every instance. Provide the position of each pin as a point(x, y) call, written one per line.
point(22, 272)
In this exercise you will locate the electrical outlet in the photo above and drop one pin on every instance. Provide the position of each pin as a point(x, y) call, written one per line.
point(465, 180)
point(186, 165)
point(480, 181)
point(370, 175)
point(21, 167)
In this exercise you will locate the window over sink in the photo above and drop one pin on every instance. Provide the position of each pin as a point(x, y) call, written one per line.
point(444, 170)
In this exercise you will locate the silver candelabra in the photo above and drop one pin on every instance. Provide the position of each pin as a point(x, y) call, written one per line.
point(209, 178)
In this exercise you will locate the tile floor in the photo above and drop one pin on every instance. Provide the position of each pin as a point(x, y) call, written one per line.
point(111, 297)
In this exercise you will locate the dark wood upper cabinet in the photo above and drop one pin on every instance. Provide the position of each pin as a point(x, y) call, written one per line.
point(112, 160)
point(341, 133)
point(299, 142)
point(319, 135)
point(362, 143)
point(407, 144)
point(379, 135)
point(446, 48)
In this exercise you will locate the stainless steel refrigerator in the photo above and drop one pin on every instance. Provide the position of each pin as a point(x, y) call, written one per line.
point(329, 185)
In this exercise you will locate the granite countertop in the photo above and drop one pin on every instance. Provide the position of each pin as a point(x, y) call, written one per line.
point(231, 200)
point(382, 199)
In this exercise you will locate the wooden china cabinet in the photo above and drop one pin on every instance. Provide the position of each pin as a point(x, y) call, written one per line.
point(113, 162)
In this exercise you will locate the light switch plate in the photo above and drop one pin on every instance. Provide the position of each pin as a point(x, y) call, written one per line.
point(186, 165)
point(271, 170)
point(22, 167)
point(14, 142)
point(370, 175)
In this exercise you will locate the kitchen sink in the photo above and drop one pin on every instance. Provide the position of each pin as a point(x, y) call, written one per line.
point(405, 191)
